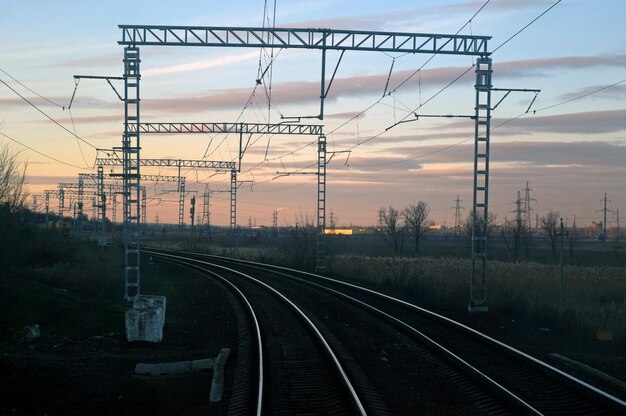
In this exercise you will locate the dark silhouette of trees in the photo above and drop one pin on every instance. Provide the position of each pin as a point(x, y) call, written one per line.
point(415, 221)
point(392, 230)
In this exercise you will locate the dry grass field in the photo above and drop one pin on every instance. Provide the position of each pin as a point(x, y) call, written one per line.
point(594, 298)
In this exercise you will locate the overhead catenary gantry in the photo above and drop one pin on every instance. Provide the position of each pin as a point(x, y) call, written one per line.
point(242, 129)
point(55, 193)
point(134, 36)
point(180, 179)
point(98, 179)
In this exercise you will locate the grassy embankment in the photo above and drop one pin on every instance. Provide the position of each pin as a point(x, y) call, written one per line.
point(594, 297)
point(66, 287)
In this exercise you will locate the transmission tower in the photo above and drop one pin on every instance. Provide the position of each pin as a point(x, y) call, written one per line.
point(275, 221)
point(457, 216)
point(332, 220)
point(519, 211)
point(604, 211)
point(527, 208)
point(381, 214)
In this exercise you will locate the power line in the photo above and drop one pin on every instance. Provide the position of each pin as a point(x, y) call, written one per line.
point(443, 89)
point(525, 27)
point(379, 101)
point(495, 127)
point(372, 105)
point(42, 154)
point(47, 116)
point(457, 78)
point(38, 95)
point(606, 87)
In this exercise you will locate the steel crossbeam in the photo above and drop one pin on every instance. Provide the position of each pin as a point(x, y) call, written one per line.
point(326, 39)
point(65, 186)
point(199, 164)
point(235, 128)
point(148, 178)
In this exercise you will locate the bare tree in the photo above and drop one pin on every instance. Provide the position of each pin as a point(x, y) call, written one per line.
point(571, 237)
point(12, 198)
point(517, 233)
point(392, 231)
point(12, 180)
point(302, 242)
point(548, 225)
point(415, 220)
point(491, 224)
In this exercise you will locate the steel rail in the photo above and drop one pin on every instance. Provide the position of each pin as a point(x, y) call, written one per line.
point(617, 402)
point(425, 338)
point(337, 365)
point(244, 299)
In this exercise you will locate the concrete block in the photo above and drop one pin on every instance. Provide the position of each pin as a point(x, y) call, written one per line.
point(151, 301)
point(202, 364)
point(146, 319)
point(217, 384)
point(175, 367)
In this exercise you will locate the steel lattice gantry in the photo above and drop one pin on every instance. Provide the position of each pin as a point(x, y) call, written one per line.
point(175, 163)
point(247, 129)
point(332, 39)
point(57, 193)
point(134, 36)
point(98, 179)
point(238, 128)
point(179, 163)
point(151, 178)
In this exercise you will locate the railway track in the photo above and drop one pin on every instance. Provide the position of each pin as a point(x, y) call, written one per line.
point(402, 359)
point(296, 371)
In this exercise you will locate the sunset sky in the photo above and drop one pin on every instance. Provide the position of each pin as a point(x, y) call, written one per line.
point(571, 146)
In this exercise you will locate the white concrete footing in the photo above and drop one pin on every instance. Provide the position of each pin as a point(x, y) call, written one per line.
point(146, 319)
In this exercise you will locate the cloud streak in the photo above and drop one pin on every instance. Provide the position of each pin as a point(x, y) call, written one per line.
point(299, 92)
point(202, 64)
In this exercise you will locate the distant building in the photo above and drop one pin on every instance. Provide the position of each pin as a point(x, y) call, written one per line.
point(339, 231)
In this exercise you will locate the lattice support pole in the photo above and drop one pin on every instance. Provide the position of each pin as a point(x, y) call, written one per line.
point(233, 212)
point(144, 209)
point(47, 208)
point(61, 202)
point(81, 195)
point(206, 211)
point(131, 174)
point(101, 195)
point(480, 208)
point(181, 205)
point(94, 209)
point(113, 207)
point(78, 212)
point(321, 204)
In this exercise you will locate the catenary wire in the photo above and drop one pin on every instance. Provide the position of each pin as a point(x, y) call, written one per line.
point(29, 89)
point(40, 153)
point(46, 115)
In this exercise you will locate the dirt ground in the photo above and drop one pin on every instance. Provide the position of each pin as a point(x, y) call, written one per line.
point(81, 364)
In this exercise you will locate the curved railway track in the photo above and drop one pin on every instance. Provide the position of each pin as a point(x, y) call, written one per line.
point(403, 359)
point(297, 372)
